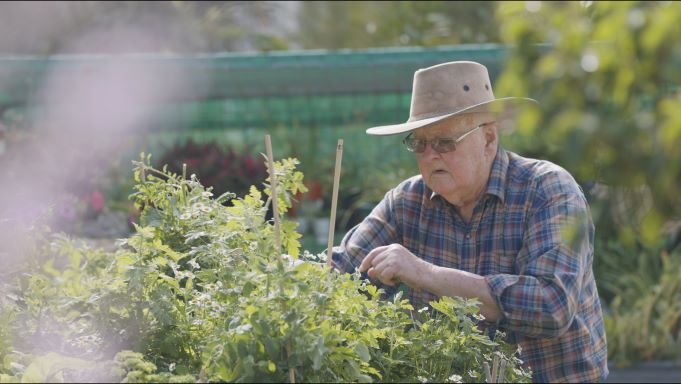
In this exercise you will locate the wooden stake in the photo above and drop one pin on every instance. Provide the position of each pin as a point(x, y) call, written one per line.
point(334, 201)
point(273, 188)
point(277, 236)
point(488, 375)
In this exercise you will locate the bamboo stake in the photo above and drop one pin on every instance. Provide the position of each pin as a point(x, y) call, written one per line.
point(273, 188)
point(502, 371)
point(291, 371)
point(495, 368)
point(334, 202)
point(277, 236)
point(488, 375)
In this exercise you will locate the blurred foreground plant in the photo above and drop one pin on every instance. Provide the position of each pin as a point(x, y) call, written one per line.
point(607, 76)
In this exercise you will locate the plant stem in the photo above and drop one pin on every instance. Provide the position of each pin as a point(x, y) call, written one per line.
point(273, 190)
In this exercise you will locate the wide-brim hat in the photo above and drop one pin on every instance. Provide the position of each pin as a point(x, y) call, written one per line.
point(450, 89)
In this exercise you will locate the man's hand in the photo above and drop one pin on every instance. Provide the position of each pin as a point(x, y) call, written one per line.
point(392, 264)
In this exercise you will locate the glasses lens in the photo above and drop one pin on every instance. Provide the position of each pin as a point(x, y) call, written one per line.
point(444, 145)
point(415, 145)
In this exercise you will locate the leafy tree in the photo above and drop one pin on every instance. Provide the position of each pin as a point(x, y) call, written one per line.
point(350, 24)
point(132, 26)
point(607, 75)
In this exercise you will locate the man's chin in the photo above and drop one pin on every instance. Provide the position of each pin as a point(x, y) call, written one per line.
point(440, 181)
point(440, 188)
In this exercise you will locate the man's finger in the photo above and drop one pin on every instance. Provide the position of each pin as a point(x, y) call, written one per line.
point(387, 276)
point(372, 272)
point(369, 258)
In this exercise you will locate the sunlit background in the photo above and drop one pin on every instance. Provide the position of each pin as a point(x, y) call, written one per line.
point(86, 86)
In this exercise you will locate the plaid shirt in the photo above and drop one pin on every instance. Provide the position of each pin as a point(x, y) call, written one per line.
point(530, 236)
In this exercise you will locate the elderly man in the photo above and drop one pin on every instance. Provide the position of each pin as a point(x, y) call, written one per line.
point(482, 222)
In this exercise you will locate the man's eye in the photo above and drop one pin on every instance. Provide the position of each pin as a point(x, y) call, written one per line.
point(444, 142)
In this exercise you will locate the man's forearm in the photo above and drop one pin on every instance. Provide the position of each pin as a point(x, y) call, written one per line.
point(452, 282)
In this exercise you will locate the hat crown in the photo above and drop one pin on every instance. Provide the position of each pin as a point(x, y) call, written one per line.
point(449, 88)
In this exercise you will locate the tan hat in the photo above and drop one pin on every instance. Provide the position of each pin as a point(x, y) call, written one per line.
point(450, 89)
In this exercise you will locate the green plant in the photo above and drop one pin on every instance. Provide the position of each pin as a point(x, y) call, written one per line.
point(644, 316)
point(606, 75)
point(200, 292)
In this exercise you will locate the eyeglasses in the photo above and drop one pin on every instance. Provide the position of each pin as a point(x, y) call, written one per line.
point(440, 145)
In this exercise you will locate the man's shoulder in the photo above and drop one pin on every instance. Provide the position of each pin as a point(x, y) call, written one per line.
point(414, 184)
point(528, 168)
point(542, 174)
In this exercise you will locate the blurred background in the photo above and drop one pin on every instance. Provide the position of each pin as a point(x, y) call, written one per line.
point(86, 86)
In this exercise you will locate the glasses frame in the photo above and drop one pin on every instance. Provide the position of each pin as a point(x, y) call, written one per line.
point(434, 142)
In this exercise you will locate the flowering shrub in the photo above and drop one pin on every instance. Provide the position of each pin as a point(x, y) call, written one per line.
point(223, 168)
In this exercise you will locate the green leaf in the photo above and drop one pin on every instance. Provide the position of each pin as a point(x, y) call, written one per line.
point(45, 368)
point(363, 352)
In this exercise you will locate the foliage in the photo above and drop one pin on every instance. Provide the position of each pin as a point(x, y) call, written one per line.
point(124, 27)
point(367, 24)
point(607, 75)
point(644, 322)
point(221, 167)
point(218, 26)
point(38, 183)
point(200, 293)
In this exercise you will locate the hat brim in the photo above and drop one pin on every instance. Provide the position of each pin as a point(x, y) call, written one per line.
point(505, 108)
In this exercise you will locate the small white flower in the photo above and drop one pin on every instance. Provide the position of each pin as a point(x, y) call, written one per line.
point(455, 378)
point(206, 194)
point(291, 261)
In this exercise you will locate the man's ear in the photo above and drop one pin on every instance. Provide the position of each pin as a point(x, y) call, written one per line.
point(491, 132)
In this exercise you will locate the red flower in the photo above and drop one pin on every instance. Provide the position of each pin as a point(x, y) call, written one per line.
point(97, 201)
point(314, 190)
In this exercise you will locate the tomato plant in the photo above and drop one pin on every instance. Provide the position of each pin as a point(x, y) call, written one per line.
point(199, 292)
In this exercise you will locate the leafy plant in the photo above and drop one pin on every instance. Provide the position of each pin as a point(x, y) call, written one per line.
point(199, 292)
point(607, 75)
point(644, 319)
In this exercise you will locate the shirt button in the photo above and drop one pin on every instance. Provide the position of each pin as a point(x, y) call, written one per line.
point(468, 235)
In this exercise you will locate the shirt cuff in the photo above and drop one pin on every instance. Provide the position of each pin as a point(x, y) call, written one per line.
point(497, 285)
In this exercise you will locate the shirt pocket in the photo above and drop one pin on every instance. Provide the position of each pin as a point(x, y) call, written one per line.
point(505, 261)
